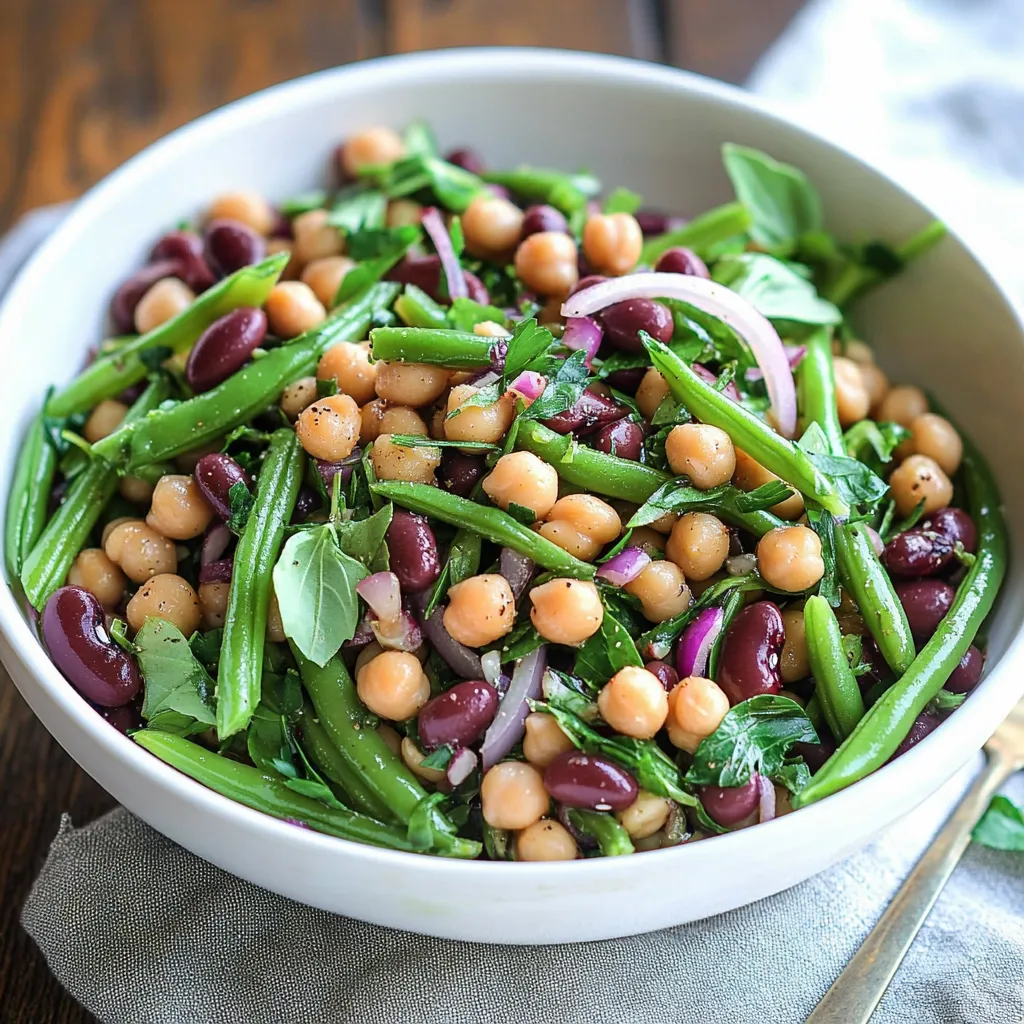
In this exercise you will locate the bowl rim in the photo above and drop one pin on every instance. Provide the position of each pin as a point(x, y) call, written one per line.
point(976, 717)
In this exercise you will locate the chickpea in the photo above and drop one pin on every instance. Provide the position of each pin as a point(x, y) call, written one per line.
point(703, 453)
point(402, 212)
point(566, 611)
point(299, 395)
point(315, 237)
point(371, 416)
point(324, 276)
point(513, 795)
point(491, 226)
point(104, 420)
point(292, 267)
point(480, 610)
point(852, 398)
point(371, 146)
point(292, 309)
point(165, 299)
point(94, 571)
point(652, 542)
point(275, 625)
point(393, 685)
point(400, 419)
point(612, 243)
point(140, 551)
point(789, 558)
point(111, 526)
point(750, 475)
point(794, 663)
point(165, 596)
point(521, 478)
point(414, 758)
point(547, 263)
point(329, 428)
point(544, 739)
point(391, 737)
point(249, 208)
point(412, 384)
point(545, 840)
point(696, 707)
point(213, 604)
point(875, 382)
point(397, 462)
point(856, 350)
point(920, 477)
point(698, 544)
point(633, 702)
point(645, 815)
point(179, 510)
point(903, 404)
point(488, 329)
point(936, 437)
point(581, 524)
point(476, 423)
point(653, 390)
point(348, 365)
point(662, 590)
point(135, 489)
point(366, 655)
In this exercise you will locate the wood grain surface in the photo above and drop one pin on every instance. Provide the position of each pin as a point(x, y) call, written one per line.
point(84, 84)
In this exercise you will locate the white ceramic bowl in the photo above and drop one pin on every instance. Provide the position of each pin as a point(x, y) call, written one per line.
point(944, 325)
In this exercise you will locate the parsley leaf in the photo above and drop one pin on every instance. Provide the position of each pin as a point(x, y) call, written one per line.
point(175, 680)
point(855, 483)
point(528, 343)
point(563, 389)
point(611, 648)
point(241, 501)
point(453, 187)
point(824, 525)
point(374, 243)
point(358, 208)
point(867, 436)
point(1001, 826)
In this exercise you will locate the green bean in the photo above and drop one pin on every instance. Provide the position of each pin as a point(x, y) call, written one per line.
point(493, 524)
point(344, 719)
point(817, 390)
point(836, 685)
point(589, 468)
point(611, 837)
point(701, 233)
point(245, 621)
point(889, 720)
point(111, 374)
point(258, 385)
point(29, 497)
point(454, 350)
point(417, 309)
point(266, 792)
point(568, 192)
point(46, 567)
point(757, 439)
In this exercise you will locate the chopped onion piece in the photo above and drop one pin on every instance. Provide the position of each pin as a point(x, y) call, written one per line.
point(461, 766)
point(624, 567)
point(491, 664)
point(508, 726)
point(460, 659)
point(517, 569)
point(741, 565)
point(696, 642)
point(766, 793)
point(433, 224)
point(719, 301)
point(217, 572)
point(583, 332)
point(383, 593)
point(215, 543)
point(399, 634)
point(529, 385)
point(794, 353)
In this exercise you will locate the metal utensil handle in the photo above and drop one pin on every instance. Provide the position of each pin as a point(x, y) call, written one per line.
point(860, 987)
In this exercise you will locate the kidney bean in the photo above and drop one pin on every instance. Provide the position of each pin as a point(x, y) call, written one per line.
point(425, 272)
point(215, 475)
point(219, 571)
point(917, 553)
point(187, 247)
point(587, 281)
point(653, 222)
point(749, 662)
point(954, 524)
point(925, 602)
point(329, 470)
point(592, 410)
point(966, 676)
point(460, 472)
point(681, 261)
point(125, 718)
point(231, 245)
point(224, 347)
point(126, 298)
point(307, 502)
point(413, 550)
point(879, 667)
point(666, 674)
point(543, 218)
point(730, 391)
point(624, 439)
point(458, 716)
point(626, 381)
point(589, 780)
point(624, 320)
point(815, 754)
point(925, 724)
point(74, 630)
point(282, 226)
point(729, 805)
point(467, 159)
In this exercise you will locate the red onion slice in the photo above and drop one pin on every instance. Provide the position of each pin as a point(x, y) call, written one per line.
point(766, 801)
point(461, 660)
point(491, 665)
point(383, 593)
point(719, 301)
point(517, 569)
point(624, 567)
point(217, 572)
point(696, 642)
point(433, 224)
point(508, 726)
point(461, 766)
point(529, 385)
point(363, 635)
point(794, 353)
point(399, 634)
point(583, 332)
point(215, 543)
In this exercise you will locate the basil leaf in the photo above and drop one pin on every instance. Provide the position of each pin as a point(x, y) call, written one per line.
point(611, 648)
point(439, 759)
point(793, 776)
point(622, 200)
point(419, 140)
point(241, 501)
point(868, 437)
point(315, 582)
point(1001, 826)
point(206, 648)
point(176, 723)
point(175, 680)
point(775, 289)
point(565, 692)
point(824, 526)
point(854, 481)
point(677, 496)
point(357, 208)
point(373, 243)
point(453, 187)
point(363, 539)
point(754, 736)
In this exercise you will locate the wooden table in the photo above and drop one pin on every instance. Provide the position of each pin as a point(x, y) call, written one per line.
point(84, 84)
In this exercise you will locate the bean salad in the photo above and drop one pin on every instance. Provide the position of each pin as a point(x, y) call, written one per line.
point(487, 513)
